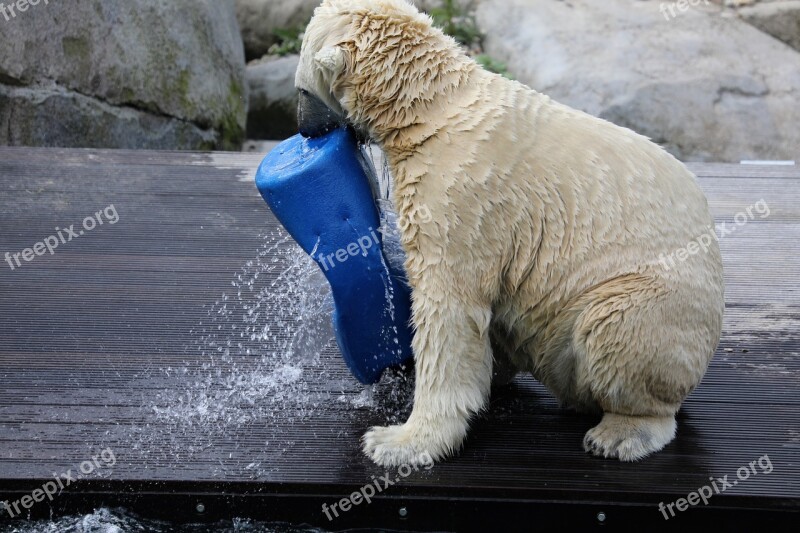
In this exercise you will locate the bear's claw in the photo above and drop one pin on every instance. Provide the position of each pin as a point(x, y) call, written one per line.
point(629, 438)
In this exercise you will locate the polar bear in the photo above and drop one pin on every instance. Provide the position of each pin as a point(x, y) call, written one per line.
point(555, 242)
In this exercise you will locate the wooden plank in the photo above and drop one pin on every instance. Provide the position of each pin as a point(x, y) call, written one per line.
point(119, 340)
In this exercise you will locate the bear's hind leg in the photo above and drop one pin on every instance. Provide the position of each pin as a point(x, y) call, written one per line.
point(643, 345)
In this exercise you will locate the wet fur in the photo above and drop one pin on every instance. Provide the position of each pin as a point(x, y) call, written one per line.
point(542, 249)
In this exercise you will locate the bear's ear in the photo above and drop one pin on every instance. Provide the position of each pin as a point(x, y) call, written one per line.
point(332, 60)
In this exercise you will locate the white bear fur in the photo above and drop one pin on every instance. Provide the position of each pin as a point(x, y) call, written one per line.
point(542, 246)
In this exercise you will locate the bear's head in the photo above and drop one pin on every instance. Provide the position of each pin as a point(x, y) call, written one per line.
point(378, 65)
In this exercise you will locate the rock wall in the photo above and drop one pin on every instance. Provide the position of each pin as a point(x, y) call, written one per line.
point(710, 80)
point(260, 18)
point(121, 74)
point(273, 97)
point(778, 19)
point(702, 82)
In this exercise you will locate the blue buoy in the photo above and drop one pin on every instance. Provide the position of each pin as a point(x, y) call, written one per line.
point(320, 191)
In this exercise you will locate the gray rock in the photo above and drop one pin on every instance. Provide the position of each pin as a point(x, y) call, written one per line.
point(150, 73)
point(779, 19)
point(704, 86)
point(53, 116)
point(273, 98)
point(427, 5)
point(260, 18)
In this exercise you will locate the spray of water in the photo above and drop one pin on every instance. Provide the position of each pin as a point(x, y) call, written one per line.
point(261, 347)
point(121, 521)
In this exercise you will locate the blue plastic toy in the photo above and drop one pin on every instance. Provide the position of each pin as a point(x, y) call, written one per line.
point(320, 191)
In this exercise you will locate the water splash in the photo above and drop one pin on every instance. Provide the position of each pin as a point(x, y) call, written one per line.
point(256, 369)
point(261, 346)
point(392, 247)
point(269, 360)
point(121, 521)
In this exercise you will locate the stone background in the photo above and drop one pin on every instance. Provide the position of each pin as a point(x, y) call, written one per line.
point(716, 81)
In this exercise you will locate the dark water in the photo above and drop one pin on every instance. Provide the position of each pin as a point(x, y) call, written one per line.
point(121, 521)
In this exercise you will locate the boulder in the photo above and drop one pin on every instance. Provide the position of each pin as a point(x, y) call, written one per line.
point(464, 5)
point(273, 97)
point(427, 5)
point(120, 74)
point(779, 19)
point(707, 87)
point(260, 18)
point(50, 115)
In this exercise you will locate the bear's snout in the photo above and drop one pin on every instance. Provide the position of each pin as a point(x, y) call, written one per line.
point(314, 118)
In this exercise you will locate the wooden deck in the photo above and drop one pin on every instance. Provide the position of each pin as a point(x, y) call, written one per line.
point(135, 336)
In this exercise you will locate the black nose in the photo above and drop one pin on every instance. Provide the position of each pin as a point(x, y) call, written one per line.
point(314, 117)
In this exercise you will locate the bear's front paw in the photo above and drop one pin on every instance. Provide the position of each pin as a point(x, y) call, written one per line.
point(420, 441)
point(395, 446)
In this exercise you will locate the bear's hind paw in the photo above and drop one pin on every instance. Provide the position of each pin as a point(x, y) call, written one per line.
point(629, 438)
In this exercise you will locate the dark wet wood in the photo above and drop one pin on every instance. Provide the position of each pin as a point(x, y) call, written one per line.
point(96, 337)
